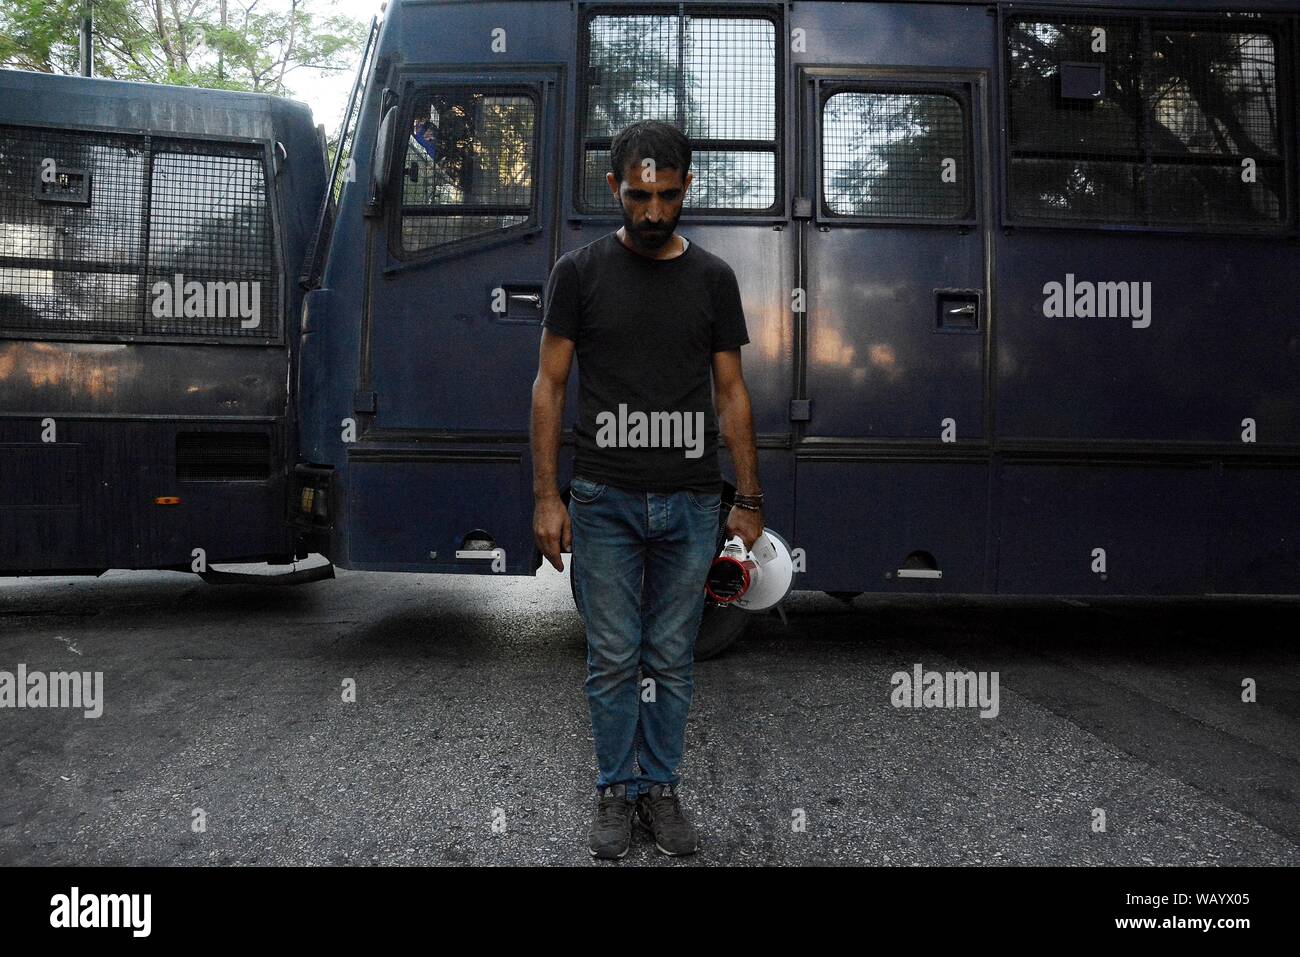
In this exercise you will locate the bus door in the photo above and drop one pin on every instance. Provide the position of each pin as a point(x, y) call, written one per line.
point(457, 274)
point(895, 331)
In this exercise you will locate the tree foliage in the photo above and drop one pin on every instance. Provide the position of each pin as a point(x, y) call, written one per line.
point(225, 44)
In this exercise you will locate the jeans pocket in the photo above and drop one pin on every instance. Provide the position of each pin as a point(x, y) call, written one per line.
point(585, 490)
point(705, 501)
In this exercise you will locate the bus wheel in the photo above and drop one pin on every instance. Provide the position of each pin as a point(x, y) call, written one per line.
point(720, 628)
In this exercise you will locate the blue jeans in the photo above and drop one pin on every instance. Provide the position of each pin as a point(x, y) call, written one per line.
point(639, 562)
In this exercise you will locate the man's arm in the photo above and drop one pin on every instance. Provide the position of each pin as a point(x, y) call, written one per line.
point(736, 423)
point(550, 519)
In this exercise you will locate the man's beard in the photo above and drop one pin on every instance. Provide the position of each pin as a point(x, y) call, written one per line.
point(649, 237)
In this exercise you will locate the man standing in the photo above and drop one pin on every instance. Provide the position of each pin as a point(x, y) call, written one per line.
point(651, 318)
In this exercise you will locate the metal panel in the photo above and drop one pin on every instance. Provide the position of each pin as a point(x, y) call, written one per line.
point(1256, 545)
point(859, 521)
point(1093, 529)
point(1217, 346)
point(455, 496)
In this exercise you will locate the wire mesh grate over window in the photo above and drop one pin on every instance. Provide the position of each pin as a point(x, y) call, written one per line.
point(468, 168)
point(714, 77)
point(895, 155)
point(149, 210)
point(1186, 129)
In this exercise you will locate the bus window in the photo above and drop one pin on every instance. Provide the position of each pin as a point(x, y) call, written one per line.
point(715, 78)
point(210, 221)
point(469, 167)
point(1183, 130)
point(71, 266)
point(91, 266)
point(895, 155)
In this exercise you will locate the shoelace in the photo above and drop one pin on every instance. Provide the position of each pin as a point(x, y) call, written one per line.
point(666, 802)
point(613, 809)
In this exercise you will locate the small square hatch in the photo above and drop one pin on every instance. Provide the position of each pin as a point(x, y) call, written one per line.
point(66, 186)
point(1083, 81)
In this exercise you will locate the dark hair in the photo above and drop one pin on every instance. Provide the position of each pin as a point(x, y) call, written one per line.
point(652, 139)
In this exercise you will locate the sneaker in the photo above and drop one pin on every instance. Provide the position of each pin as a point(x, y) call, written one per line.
point(661, 813)
point(611, 828)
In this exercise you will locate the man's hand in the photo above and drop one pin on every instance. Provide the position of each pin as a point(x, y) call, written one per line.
point(746, 523)
point(550, 518)
point(551, 529)
point(736, 424)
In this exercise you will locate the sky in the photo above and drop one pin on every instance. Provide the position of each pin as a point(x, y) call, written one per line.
point(327, 93)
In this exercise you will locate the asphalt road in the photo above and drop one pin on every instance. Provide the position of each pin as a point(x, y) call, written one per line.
point(469, 740)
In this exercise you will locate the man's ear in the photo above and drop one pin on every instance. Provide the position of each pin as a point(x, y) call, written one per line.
point(613, 186)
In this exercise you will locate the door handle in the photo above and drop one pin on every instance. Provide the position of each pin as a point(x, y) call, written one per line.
point(919, 573)
point(523, 302)
point(958, 310)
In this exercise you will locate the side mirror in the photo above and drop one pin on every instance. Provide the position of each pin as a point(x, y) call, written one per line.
point(380, 169)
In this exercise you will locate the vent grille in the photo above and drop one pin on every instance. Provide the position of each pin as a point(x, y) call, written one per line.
point(223, 456)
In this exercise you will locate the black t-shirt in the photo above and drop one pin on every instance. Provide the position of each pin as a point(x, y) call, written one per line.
point(645, 332)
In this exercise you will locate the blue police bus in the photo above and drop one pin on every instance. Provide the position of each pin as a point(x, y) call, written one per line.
point(151, 238)
point(1019, 281)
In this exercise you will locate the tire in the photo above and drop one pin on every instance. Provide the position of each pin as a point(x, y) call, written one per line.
point(720, 628)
